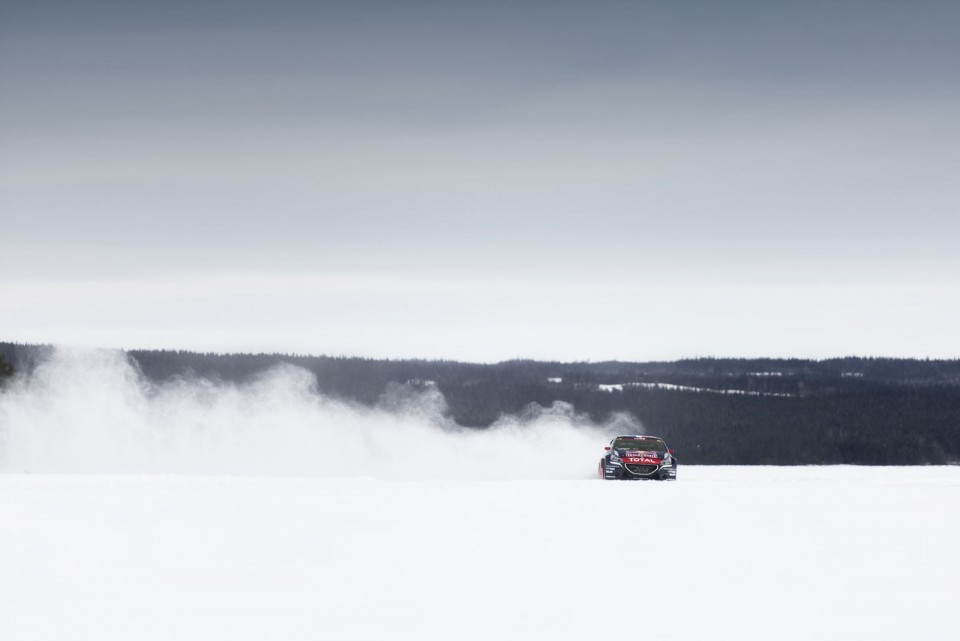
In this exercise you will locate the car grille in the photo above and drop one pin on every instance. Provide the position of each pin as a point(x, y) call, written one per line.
point(642, 469)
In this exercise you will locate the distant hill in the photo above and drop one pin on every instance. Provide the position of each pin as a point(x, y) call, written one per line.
point(872, 411)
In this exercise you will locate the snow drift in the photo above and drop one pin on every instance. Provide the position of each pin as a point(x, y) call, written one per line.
point(93, 412)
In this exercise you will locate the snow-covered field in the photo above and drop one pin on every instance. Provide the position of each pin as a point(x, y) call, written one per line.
point(199, 510)
point(724, 553)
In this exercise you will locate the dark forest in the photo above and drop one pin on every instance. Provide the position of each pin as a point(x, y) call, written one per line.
point(868, 411)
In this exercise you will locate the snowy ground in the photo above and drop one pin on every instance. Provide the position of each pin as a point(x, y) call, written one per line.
point(193, 510)
point(724, 553)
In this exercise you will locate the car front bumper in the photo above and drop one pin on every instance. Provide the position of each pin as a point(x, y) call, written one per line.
point(624, 472)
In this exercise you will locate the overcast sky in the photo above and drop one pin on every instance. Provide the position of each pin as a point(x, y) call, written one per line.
point(482, 180)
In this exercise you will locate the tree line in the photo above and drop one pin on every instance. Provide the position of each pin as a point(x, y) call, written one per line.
point(872, 411)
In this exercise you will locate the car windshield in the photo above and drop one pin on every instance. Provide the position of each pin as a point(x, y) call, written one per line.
point(639, 444)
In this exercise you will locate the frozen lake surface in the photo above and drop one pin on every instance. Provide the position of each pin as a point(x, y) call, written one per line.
point(724, 553)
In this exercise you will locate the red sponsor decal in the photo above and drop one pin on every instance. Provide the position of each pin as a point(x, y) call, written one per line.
point(642, 460)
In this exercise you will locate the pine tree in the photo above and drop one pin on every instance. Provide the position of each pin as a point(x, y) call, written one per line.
point(6, 369)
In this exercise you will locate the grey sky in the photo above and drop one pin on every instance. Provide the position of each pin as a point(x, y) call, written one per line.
point(730, 172)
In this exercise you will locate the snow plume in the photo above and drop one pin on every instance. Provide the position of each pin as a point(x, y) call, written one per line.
point(92, 411)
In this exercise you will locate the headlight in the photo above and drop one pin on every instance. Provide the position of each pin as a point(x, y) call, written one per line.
point(615, 459)
point(667, 461)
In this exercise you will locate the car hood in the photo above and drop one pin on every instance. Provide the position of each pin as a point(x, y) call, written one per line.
point(640, 457)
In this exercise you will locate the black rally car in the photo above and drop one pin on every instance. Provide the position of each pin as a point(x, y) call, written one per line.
point(638, 457)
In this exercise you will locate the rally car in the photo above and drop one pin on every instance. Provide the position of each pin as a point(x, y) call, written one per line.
point(638, 457)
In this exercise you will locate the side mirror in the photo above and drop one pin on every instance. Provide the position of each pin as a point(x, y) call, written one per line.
point(673, 451)
point(606, 449)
